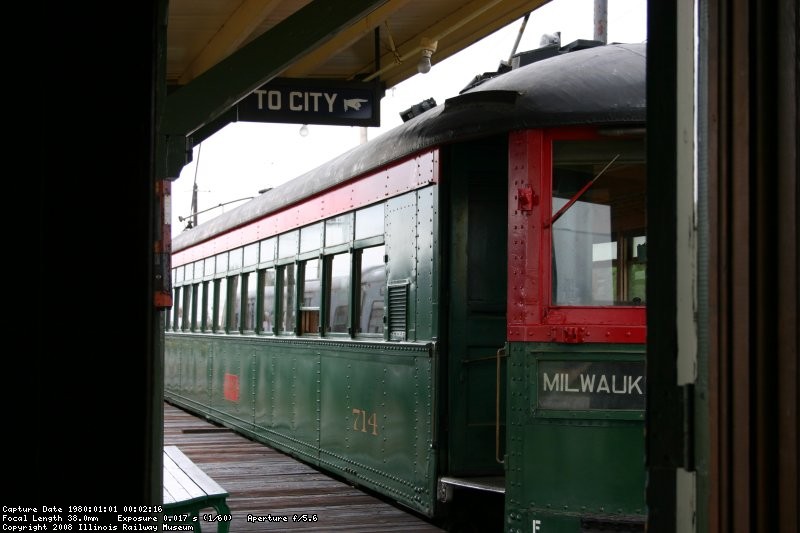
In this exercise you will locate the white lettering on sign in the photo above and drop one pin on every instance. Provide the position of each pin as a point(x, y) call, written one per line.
point(536, 525)
point(298, 101)
point(273, 99)
point(563, 382)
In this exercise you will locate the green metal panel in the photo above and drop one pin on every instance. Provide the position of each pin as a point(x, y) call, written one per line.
point(361, 409)
point(187, 372)
point(569, 465)
point(401, 247)
point(172, 368)
point(427, 298)
point(287, 374)
point(376, 419)
point(232, 382)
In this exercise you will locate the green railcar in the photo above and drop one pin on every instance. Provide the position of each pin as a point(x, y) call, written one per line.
point(451, 315)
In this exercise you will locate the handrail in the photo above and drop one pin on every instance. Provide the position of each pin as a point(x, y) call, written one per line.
point(497, 408)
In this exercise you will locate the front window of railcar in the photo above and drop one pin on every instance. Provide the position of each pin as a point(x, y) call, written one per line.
point(599, 243)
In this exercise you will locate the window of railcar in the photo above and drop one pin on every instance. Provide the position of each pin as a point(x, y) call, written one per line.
point(372, 286)
point(267, 249)
point(249, 288)
point(235, 259)
point(598, 222)
point(287, 244)
point(193, 313)
point(208, 306)
point(177, 309)
point(369, 222)
point(288, 288)
point(221, 262)
point(199, 269)
point(235, 319)
point(339, 230)
point(198, 313)
point(312, 297)
point(338, 316)
point(268, 301)
point(250, 255)
point(209, 267)
point(311, 238)
point(221, 308)
point(186, 322)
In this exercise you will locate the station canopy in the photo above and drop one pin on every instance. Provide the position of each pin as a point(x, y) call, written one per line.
point(221, 51)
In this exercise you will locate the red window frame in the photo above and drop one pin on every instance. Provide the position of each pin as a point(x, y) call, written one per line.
point(531, 314)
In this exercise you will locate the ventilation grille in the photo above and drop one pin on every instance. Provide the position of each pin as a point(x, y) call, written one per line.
point(398, 307)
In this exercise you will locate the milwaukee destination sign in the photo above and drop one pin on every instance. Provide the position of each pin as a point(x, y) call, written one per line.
point(314, 101)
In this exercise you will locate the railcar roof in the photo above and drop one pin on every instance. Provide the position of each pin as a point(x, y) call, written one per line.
point(600, 85)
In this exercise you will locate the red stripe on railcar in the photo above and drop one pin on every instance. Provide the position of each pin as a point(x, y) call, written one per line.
point(388, 182)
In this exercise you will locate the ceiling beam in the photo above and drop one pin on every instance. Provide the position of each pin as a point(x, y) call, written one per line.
point(236, 30)
point(342, 40)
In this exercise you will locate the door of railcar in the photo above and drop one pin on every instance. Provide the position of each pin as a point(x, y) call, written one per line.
point(475, 174)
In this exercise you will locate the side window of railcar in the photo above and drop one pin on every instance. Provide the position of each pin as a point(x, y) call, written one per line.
point(221, 294)
point(288, 284)
point(235, 288)
point(186, 323)
point(268, 301)
point(177, 309)
point(311, 291)
point(249, 287)
point(599, 242)
point(197, 296)
point(372, 286)
point(208, 307)
point(339, 229)
point(339, 293)
point(209, 269)
point(195, 316)
point(370, 221)
point(288, 245)
point(200, 306)
point(177, 302)
point(221, 314)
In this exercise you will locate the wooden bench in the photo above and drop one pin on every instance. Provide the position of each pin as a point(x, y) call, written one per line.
point(187, 490)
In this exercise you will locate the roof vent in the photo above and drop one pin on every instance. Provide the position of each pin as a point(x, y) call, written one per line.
point(552, 49)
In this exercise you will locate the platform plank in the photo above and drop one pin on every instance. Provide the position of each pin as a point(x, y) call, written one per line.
point(263, 481)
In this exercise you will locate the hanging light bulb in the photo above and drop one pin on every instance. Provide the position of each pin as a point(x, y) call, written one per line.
point(304, 130)
point(428, 48)
point(424, 65)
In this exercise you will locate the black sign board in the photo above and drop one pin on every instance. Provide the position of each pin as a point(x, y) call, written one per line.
point(314, 101)
point(588, 385)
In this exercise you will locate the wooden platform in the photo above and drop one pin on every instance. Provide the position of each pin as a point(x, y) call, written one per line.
point(265, 482)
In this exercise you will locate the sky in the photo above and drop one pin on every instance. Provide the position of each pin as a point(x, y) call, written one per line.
point(246, 157)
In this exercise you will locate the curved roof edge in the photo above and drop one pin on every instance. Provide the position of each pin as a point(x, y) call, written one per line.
point(599, 85)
